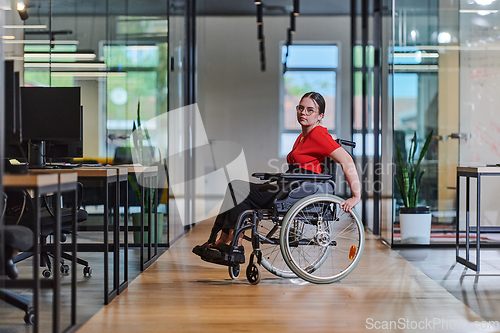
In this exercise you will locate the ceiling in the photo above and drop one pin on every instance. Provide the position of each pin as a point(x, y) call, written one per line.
point(204, 7)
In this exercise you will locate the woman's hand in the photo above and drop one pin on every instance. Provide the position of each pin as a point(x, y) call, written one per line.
point(349, 204)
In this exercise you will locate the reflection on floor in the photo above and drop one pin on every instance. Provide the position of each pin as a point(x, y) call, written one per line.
point(479, 291)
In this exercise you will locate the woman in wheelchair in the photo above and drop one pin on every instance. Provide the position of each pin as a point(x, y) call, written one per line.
point(307, 157)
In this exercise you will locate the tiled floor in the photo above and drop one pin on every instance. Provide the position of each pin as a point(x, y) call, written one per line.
point(479, 291)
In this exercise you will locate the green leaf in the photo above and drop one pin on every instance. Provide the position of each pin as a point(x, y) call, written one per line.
point(408, 175)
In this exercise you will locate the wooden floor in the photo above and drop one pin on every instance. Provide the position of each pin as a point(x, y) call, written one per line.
point(181, 293)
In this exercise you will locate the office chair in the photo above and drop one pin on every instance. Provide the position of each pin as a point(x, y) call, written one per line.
point(20, 210)
point(14, 238)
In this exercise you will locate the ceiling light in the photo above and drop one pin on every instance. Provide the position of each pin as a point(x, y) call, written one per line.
point(44, 41)
point(259, 14)
point(481, 12)
point(142, 47)
point(444, 38)
point(34, 26)
point(8, 37)
point(21, 9)
point(14, 58)
point(484, 2)
point(63, 65)
point(416, 54)
point(296, 7)
point(79, 56)
point(90, 74)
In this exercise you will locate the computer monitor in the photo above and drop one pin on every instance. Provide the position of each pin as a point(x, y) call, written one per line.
point(51, 113)
point(52, 123)
point(12, 124)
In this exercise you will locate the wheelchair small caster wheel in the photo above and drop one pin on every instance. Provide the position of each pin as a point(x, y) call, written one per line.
point(87, 271)
point(29, 317)
point(254, 273)
point(46, 273)
point(234, 271)
point(64, 269)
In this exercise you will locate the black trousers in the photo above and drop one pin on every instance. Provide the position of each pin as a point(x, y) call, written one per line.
point(241, 196)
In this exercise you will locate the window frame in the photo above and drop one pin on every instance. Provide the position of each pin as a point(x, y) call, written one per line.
point(283, 70)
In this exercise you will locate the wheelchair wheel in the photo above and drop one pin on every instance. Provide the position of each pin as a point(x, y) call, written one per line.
point(234, 271)
point(254, 274)
point(319, 241)
point(272, 259)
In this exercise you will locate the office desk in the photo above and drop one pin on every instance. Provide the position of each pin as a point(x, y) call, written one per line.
point(468, 173)
point(43, 184)
point(103, 178)
point(149, 177)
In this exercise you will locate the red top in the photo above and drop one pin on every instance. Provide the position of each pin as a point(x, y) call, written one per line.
point(310, 153)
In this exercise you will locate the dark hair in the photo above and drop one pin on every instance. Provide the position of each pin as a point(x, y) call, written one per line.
point(320, 101)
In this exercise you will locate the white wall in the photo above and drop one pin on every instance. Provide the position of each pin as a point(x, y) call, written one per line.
point(240, 103)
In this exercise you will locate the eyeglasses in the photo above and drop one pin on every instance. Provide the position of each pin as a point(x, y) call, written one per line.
point(308, 111)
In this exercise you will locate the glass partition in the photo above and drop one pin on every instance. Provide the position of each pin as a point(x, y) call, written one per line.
point(445, 59)
point(118, 54)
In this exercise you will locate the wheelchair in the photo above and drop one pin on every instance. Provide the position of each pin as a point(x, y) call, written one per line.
point(305, 234)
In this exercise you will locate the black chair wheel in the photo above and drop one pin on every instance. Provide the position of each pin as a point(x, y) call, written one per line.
point(46, 273)
point(87, 271)
point(234, 271)
point(64, 269)
point(254, 273)
point(29, 317)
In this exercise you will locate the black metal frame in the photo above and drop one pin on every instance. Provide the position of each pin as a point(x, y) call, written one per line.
point(55, 282)
point(105, 182)
point(148, 179)
point(468, 229)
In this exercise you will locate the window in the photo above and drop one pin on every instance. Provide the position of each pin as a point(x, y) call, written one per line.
point(307, 68)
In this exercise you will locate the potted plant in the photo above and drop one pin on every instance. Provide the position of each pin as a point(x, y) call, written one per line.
point(144, 155)
point(415, 222)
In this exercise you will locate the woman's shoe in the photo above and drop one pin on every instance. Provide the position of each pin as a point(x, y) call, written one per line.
point(227, 248)
point(198, 249)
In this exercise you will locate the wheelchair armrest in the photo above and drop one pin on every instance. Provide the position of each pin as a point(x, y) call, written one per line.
point(266, 175)
point(305, 176)
point(346, 143)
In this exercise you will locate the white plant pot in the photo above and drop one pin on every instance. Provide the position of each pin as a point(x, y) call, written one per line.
point(415, 228)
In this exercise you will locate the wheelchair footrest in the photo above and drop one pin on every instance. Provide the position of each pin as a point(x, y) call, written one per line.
point(223, 258)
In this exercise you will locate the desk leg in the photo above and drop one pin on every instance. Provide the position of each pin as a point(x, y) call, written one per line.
point(478, 233)
point(141, 255)
point(150, 215)
point(125, 235)
point(56, 287)
point(116, 238)
point(467, 219)
point(106, 243)
point(74, 262)
point(457, 219)
point(155, 210)
point(124, 198)
point(36, 263)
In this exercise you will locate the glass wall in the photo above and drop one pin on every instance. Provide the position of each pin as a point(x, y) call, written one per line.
point(445, 63)
point(117, 53)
